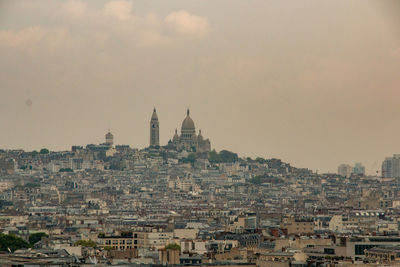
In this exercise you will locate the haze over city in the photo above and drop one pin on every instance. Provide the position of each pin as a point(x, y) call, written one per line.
point(315, 83)
point(229, 133)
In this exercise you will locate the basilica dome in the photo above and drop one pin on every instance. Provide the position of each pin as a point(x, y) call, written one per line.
point(188, 123)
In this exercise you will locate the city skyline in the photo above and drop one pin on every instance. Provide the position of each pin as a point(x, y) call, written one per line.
point(260, 87)
point(181, 133)
point(154, 142)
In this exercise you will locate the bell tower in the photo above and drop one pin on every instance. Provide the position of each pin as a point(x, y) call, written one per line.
point(154, 129)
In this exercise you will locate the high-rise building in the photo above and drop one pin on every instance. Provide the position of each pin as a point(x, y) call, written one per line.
point(154, 129)
point(345, 170)
point(359, 169)
point(391, 167)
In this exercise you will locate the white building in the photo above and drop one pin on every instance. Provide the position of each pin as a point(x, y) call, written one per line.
point(345, 170)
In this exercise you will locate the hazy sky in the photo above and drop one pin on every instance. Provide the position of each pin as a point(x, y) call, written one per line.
point(316, 83)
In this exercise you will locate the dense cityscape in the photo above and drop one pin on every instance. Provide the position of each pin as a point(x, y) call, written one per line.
point(185, 204)
point(229, 133)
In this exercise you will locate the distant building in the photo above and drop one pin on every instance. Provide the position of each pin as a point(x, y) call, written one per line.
point(154, 129)
point(76, 148)
point(384, 254)
point(188, 140)
point(124, 254)
point(345, 170)
point(298, 225)
point(109, 139)
point(245, 221)
point(387, 168)
point(391, 167)
point(169, 256)
point(121, 242)
point(359, 169)
point(7, 165)
point(137, 240)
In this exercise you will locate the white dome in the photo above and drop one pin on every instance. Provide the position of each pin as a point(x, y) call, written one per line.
point(188, 123)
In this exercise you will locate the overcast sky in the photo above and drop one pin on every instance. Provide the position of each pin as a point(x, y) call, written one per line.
point(316, 83)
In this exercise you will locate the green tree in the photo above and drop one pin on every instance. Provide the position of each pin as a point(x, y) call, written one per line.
point(115, 167)
point(126, 234)
point(256, 180)
point(191, 158)
point(261, 160)
point(12, 242)
point(36, 237)
point(101, 235)
point(213, 157)
point(228, 156)
point(32, 185)
point(173, 246)
point(65, 170)
point(222, 156)
point(86, 243)
point(44, 151)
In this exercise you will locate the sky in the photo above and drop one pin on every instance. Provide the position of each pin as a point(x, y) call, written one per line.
point(315, 83)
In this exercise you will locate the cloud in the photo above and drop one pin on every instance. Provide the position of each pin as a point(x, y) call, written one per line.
point(33, 39)
point(185, 23)
point(21, 38)
point(118, 9)
point(75, 8)
point(104, 25)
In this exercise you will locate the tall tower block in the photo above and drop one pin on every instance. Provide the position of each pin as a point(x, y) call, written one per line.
point(154, 129)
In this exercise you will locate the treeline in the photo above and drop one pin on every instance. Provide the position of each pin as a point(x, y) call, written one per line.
point(13, 242)
point(223, 156)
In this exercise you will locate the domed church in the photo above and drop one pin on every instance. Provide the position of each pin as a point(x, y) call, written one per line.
point(188, 140)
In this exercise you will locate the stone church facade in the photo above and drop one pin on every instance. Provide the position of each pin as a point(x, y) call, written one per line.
point(188, 140)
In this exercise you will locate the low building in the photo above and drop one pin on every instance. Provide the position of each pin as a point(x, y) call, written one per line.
point(298, 225)
point(169, 256)
point(383, 254)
